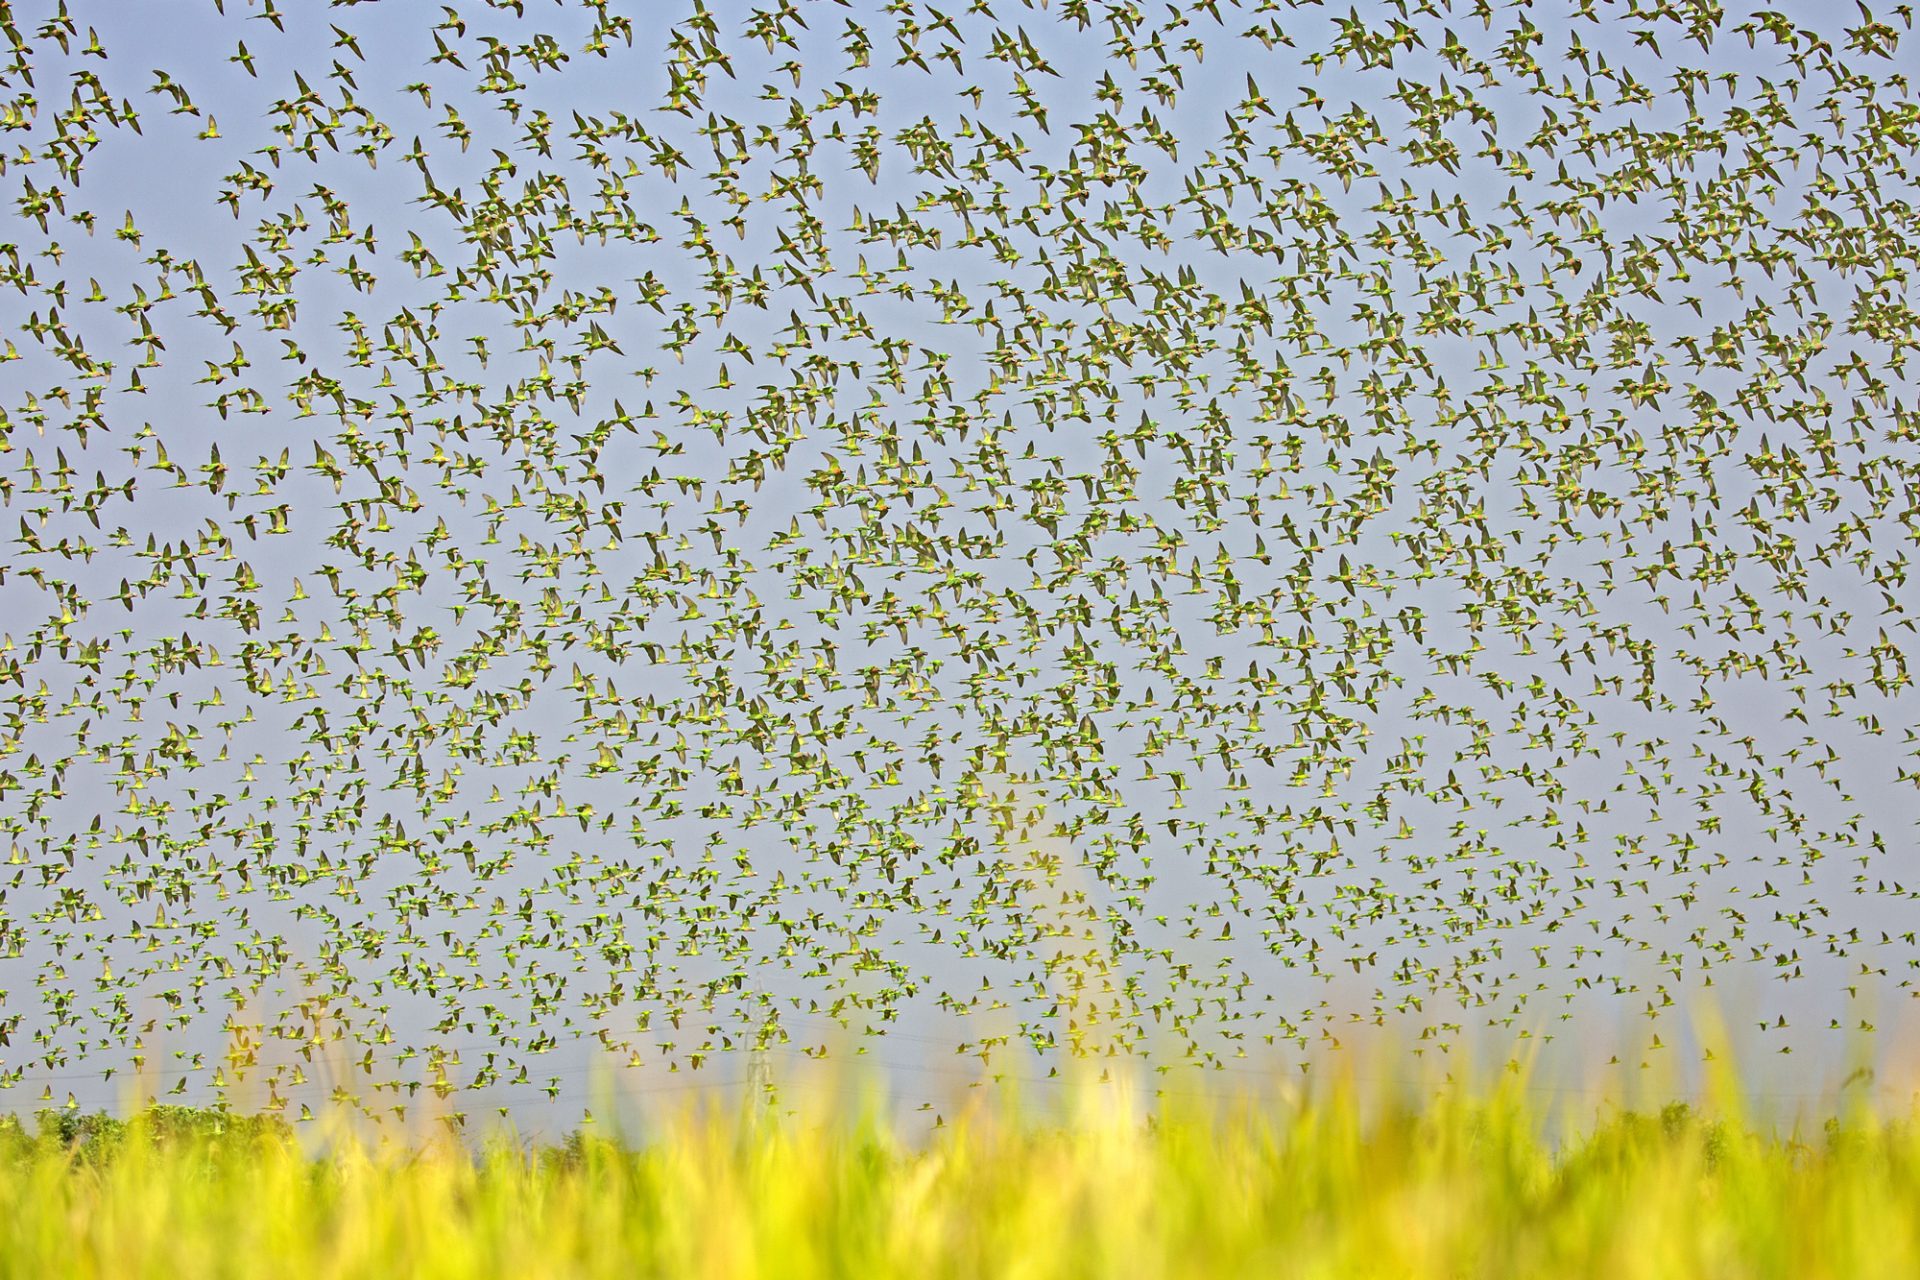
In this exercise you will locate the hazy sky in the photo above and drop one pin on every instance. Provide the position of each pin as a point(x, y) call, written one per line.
point(1192, 532)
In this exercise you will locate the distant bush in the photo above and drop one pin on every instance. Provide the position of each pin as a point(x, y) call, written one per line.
point(98, 1135)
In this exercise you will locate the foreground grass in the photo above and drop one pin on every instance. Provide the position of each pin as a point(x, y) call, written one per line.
point(1458, 1186)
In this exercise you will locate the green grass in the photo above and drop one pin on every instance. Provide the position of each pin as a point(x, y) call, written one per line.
point(1336, 1186)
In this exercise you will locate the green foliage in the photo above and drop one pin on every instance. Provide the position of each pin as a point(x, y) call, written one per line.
point(1339, 1184)
point(97, 1135)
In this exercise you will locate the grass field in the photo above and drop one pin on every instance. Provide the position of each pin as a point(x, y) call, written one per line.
point(1338, 1185)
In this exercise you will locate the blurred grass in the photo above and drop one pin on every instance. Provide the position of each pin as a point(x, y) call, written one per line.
point(1337, 1184)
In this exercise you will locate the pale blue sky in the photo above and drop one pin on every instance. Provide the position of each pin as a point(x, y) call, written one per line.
point(1520, 918)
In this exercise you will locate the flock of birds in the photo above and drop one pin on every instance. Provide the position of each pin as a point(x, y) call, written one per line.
point(1138, 529)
